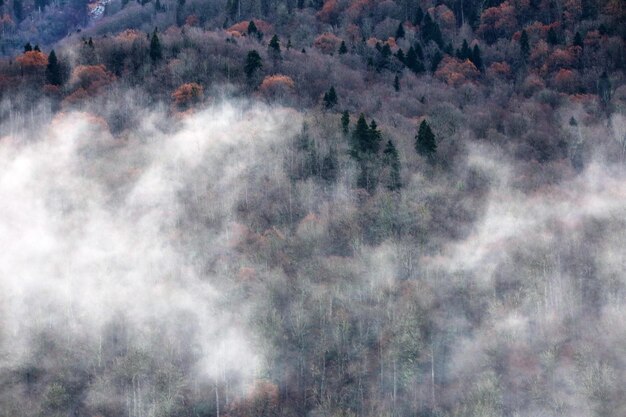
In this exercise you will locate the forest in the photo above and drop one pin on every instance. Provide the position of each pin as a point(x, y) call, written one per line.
point(321, 208)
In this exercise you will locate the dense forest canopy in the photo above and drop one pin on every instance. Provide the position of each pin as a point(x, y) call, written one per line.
point(325, 208)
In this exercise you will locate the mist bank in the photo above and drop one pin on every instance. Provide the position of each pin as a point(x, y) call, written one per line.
point(200, 263)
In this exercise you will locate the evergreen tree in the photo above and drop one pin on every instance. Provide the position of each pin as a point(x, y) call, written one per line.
point(253, 63)
point(274, 47)
point(343, 49)
point(419, 15)
point(392, 161)
point(419, 51)
point(400, 31)
point(604, 88)
point(373, 143)
point(553, 39)
point(252, 29)
point(155, 47)
point(431, 31)
point(578, 40)
point(524, 45)
point(435, 60)
point(289, 45)
point(465, 52)
point(53, 70)
point(400, 55)
point(158, 7)
point(412, 62)
point(396, 83)
point(330, 98)
point(425, 143)
point(360, 138)
point(345, 122)
point(36, 48)
point(330, 166)
point(28, 47)
point(476, 58)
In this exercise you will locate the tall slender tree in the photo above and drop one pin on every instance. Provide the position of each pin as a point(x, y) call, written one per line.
point(156, 53)
point(53, 70)
point(425, 143)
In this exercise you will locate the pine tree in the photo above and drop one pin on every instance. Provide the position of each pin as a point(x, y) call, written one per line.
point(524, 45)
point(28, 47)
point(476, 58)
point(345, 122)
point(373, 143)
point(425, 143)
point(552, 37)
point(53, 70)
point(289, 45)
point(435, 60)
point(252, 29)
point(604, 88)
point(343, 49)
point(330, 98)
point(155, 47)
point(360, 137)
point(396, 83)
point(400, 55)
point(412, 62)
point(392, 161)
point(400, 31)
point(274, 47)
point(465, 52)
point(253, 63)
point(578, 40)
point(419, 15)
point(330, 166)
point(431, 31)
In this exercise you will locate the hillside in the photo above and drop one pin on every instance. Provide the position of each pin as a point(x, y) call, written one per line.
point(264, 208)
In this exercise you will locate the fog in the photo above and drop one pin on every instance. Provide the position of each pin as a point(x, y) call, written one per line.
point(153, 252)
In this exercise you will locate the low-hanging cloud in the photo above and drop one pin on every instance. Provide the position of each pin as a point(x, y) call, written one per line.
point(91, 236)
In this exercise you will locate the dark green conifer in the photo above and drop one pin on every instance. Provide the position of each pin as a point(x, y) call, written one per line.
point(425, 143)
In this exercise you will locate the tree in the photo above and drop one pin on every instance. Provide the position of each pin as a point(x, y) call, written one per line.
point(252, 29)
point(396, 83)
point(476, 58)
point(524, 45)
point(400, 31)
point(155, 47)
point(604, 88)
point(28, 47)
point(391, 160)
point(465, 52)
point(431, 31)
point(552, 37)
point(578, 40)
point(274, 47)
point(360, 138)
point(425, 143)
point(345, 122)
point(343, 49)
point(330, 98)
point(253, 63)
point(330, 166)
point(53, 70)
point(412, 61)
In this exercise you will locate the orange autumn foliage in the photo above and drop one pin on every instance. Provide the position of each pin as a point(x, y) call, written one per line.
point(499, 69)
point(278, 85)
point(455, 72)
point(91, 77)
point(32, 60)
point(329, 12)
point(327, 43)
point(242, 27)
point(187, 95)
